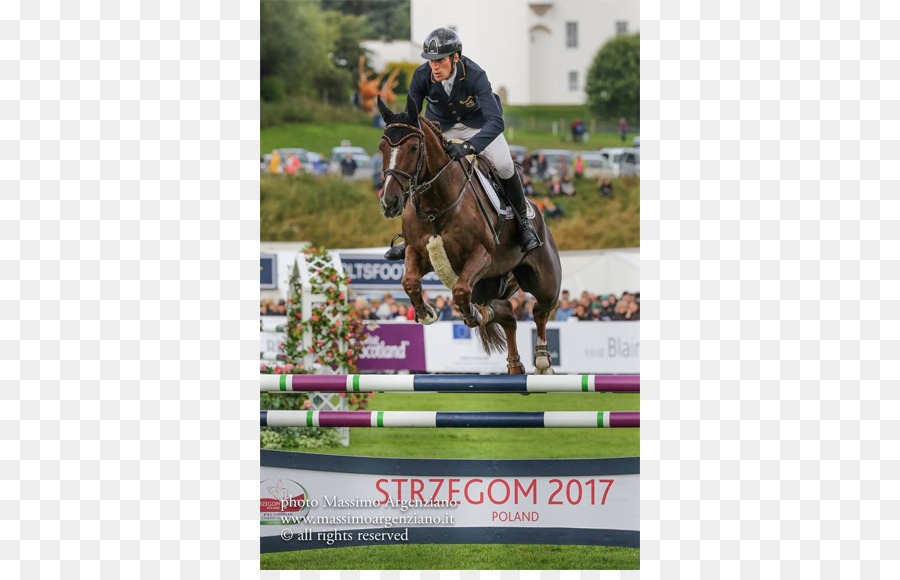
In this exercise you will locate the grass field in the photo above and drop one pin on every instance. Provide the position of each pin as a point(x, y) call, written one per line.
point(482, 444)
point(322, 137)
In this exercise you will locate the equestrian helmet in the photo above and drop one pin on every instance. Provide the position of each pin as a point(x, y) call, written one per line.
point(441, 42)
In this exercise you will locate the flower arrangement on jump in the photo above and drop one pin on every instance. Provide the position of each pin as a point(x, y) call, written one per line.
point(337, 339)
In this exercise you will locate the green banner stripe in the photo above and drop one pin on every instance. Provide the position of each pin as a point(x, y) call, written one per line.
point(379, 418)
point(355, 383)
point(599, 418)
point(309, 418)
point(584, 383)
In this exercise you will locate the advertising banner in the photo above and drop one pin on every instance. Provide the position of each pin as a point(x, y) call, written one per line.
point(377, 272)
point(576, 348)
point(328, 501)
point(397, 346)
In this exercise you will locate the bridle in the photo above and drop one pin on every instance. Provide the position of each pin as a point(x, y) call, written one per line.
point(414, 190)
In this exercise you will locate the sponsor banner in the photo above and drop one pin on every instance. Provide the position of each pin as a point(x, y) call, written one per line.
point(452, 347)
point(598, 347)
point(576, 348)
point(316, 501)
point(393, 346)
point(378, 272)
point(270, 341)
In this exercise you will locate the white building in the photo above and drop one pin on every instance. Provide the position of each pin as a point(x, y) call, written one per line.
point(535, 52)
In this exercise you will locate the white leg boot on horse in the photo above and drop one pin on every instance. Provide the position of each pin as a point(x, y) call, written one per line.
point(515, 194)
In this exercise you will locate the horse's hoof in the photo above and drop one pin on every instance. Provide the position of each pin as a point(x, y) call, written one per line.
point(431, 315)
point(475, 318)
point(542, 365)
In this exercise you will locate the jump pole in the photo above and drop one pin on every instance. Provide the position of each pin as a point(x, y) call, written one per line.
point(440, 419)
point(451, 383)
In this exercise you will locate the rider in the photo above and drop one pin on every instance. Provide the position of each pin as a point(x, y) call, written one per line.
point(460, 98)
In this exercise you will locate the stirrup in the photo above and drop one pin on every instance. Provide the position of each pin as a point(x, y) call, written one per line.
point(534, 243)
point(396, 252)
point(400, 235)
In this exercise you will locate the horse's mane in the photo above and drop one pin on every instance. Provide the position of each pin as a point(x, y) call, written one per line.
point(435, 126)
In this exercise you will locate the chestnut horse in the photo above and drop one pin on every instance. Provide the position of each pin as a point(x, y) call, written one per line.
point(446, 226)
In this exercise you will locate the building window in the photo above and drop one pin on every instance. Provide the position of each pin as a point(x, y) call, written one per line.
point(573, 80)
point(621, 28)
point(571, 35)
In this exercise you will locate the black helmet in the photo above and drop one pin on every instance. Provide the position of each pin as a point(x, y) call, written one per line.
point(441, 42)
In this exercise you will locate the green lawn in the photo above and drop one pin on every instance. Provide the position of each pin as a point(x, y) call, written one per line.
point(457, 557)
point(321, 137)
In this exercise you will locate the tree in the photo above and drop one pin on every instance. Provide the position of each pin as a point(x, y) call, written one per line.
point(346, 32)
point(389, 19)
point(614, 80)
point(307, 52)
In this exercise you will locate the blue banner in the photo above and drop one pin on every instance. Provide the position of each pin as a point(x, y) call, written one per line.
point(380, 272)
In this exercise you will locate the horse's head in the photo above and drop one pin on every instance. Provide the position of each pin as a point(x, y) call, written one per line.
point(403, 151)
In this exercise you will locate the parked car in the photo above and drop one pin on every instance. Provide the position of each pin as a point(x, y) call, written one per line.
point(364, 165)
point(613, 155)
point(518, 152)
point(630, 162)
point(596, 166)
point(553, 156)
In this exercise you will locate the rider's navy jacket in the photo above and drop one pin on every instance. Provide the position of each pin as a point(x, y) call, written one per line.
point(472, 102)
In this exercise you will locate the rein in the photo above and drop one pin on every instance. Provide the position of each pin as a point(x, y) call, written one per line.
point(414, 190)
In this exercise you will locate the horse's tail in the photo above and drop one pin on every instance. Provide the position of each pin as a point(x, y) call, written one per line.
point(493, 339)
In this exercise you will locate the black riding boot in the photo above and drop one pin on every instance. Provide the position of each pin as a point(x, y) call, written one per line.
point(397, 252)
point(528, 238)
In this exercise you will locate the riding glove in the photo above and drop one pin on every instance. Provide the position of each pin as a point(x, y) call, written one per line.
point(459, 150)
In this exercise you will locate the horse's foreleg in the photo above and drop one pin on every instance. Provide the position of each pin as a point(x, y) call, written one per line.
point(412, 285)
point(474, 268)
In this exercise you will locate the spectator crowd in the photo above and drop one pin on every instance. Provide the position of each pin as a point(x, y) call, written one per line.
point(586, 307)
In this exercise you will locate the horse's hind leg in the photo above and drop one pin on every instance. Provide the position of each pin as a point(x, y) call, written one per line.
point(506, 318)
point(542, 358)
point(545, 289)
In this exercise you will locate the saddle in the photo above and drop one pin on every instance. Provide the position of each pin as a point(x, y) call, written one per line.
point(490, 181)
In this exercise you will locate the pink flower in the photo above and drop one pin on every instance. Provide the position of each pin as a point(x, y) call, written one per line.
point(288, 367)
point(307, 404)
point(263, 367)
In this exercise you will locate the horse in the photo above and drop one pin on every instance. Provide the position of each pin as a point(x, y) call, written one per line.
point(448, 230)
